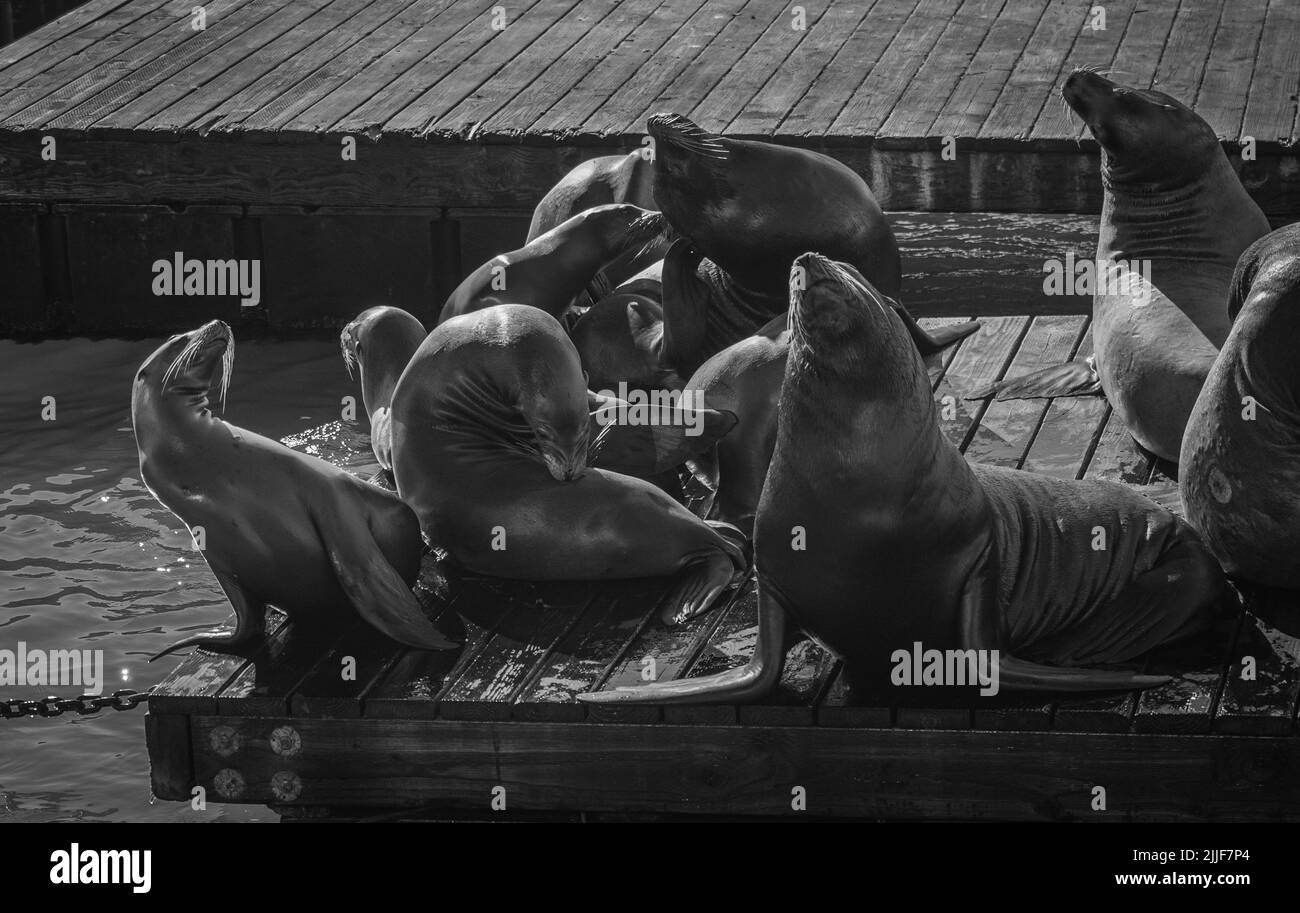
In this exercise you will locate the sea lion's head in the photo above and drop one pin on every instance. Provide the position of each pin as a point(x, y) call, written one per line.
point(1147, 137)
point(380, 341)
point(752, 207)
point(620, 339)
point(187, 370)
point(843, 329)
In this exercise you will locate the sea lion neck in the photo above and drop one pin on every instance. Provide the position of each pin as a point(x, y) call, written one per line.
point(1182, 218)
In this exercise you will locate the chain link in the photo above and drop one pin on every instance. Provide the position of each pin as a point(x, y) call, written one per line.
point(86, 704)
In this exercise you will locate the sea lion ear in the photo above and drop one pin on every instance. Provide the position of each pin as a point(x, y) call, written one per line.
point(639, 318)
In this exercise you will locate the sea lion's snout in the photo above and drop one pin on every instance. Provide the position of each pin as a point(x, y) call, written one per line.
point(673, 131)
point(1087, 93)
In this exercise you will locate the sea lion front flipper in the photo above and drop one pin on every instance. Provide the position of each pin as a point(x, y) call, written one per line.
point(373, 587)
point(1074, 378)
point(250, 616)
point(686, 309)
point(981, 630)
point(735, 686)
point(928, 342)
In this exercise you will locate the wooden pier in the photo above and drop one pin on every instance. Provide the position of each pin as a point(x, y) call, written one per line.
point(227, 137)
point(415, 733)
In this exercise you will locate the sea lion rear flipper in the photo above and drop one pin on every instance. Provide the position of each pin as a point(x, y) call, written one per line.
point(670, 437)
point(250, 616)
point(979, 620)
point(928, 342)
point(375, 589)
point(735, 686)
point(1074, 378)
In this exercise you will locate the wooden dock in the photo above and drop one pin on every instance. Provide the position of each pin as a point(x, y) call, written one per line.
point(445, 733)
point(230, 138)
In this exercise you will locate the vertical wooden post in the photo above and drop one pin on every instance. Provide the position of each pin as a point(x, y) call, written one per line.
point(6, 21)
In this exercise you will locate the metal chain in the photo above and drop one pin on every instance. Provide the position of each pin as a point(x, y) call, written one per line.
point(86, 704)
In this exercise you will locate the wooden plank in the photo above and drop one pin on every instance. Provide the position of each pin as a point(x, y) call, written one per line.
point(657, 74)
point(271, 87)
point(710, 65)
point(67, 58)
point(263, 686)
point(656, 652)
point(449, 34)
point(599, 43)
point(1271, 108)
point(412, 686)
point(729, 647)
point(1091, 48)
point(480, 57)
point(39, 41)
point(1025, 93)
point(147, 64)
point(936, 365)
point(840, 707)
point(851, 65)
point(343, 72)
point(1117, 457)
point(188, 89)
point(1140, 50)
point(171, 762)
point(548, 39)
point(1070, 431)
point(1225, 86)
point(1199, 667)
point(983, 358)
point(668, 24)
point(791, 82)
point(334, 686)
point(1182, 65)
point(979, 87)
point(875, 97)
point(1007, 428)
point(737, 770)
point(768, 54)
point(523, 640)
point(580, 660)
point(927, 93)
point(1260, 693)
point(192, 687)
point(805, 676)
point(208, 102)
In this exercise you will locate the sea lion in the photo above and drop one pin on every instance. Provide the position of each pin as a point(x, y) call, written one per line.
point(1174, 221)
point(1239, 471)
point(596, 182)
point(491, 428)
point(875, 534)
point(620, 340)
point(744, 380)
point(379, 343)
point(278, 526)
point(744, 210)
point(562, 268)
